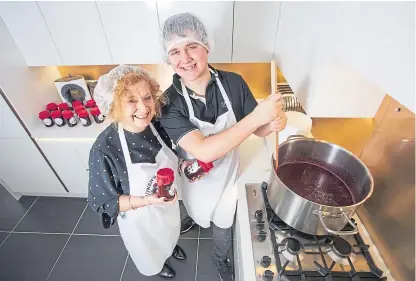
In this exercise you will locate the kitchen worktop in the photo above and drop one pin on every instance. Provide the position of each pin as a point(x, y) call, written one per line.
point(255, 167)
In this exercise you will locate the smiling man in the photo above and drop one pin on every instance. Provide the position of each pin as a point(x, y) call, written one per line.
point(210, 113)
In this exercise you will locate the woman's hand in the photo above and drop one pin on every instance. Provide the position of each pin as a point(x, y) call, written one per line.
point(279, 123)
point(154, 199)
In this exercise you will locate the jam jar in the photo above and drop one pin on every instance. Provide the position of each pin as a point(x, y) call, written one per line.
point(45, 116)
point(197, 169)
point(84, 118)
point(90, 104)
point(69, 118)
point(63, 106)
point(164, 180)
point(57, 118)
point(96, 113)
point(51, 106)
point(76, 103)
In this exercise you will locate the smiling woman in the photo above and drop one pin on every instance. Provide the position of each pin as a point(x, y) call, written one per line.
point(125, 163)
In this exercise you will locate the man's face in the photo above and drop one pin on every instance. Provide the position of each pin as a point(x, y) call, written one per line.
point(189, 60)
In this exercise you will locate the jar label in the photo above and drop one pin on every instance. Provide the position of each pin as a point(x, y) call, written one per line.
point(83, 121)
point(72, 121)
point(100, 117)
point(47, 121)
point(59, 121)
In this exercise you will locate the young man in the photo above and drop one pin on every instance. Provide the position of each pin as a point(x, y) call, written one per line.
point(210, 113)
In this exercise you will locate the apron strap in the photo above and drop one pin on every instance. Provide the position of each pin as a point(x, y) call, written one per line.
point(124, 146)
point(156, 134)
point(188, 101)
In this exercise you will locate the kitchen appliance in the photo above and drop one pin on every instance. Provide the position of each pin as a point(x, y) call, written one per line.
point(282, 253)
point(72, 88)
point(308, 216)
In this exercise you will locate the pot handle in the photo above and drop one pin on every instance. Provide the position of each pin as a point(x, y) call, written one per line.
point(298, 137)
point(340, 232)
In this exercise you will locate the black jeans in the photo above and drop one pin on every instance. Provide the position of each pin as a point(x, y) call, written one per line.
point(222, 242)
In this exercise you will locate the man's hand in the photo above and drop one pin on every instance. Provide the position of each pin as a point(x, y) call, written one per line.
point(279, 123)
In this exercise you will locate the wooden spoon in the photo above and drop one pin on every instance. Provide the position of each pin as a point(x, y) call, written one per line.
point(273, 91)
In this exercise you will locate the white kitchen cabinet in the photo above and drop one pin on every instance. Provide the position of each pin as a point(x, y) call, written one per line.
point(255, 26)
point(30, 32)
point(24, 170)
point(132, 30)
point(77, 31)
point(341, 58)
point(65, 159)
point(10, 127)
point(217, 16)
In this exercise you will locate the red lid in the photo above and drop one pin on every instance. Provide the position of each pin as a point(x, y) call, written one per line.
point(165, 176)
point(90, 103)
point(95, 111)
point(51, 106)
point(205, 166)
point(79, 108)
point(56, 114)
point(44, 114)
point(67, 114)
point(63, 106)
point(76, 103)
point(82, 113)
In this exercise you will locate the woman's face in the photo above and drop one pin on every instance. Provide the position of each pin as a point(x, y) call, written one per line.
point(138, 107)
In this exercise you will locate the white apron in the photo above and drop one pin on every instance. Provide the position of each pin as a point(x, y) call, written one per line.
point(213, 197)
point(149, 233)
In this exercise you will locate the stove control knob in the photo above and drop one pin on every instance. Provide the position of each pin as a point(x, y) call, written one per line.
point(260, 225)
point(261, 236)
point(265, 261)
point(268, 275)
point(258, 215)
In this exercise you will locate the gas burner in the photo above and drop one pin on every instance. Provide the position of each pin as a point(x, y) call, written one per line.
point(341, 250)
point(291, 249)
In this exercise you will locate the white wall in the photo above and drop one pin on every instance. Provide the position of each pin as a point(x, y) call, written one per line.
point(340, 58)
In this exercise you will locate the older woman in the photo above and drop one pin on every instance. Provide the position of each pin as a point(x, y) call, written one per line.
point(124, 161)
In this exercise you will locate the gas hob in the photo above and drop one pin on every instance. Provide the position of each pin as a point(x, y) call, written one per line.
point(282, 253)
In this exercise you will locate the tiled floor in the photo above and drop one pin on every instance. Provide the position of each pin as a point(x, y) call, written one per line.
point(51, 239)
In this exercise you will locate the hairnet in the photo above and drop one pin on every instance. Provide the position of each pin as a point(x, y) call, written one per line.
point(107, 83)
point(185, 27)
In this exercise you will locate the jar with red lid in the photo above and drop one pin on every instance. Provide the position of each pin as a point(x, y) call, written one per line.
point(63, 106)
point(78, 108)
point(96, 113)
point(90, 104)
point(45, 116)
point(57, 118)
point(76, 103)
point(84, 118)
point(69, 118)
point(51, 106)
point(196, 169)
point(164, 181)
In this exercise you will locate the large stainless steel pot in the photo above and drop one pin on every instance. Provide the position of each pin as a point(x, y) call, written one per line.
point(307, 216)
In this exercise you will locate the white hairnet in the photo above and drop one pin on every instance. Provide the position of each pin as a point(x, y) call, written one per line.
point(107, 83)
point(185, 27)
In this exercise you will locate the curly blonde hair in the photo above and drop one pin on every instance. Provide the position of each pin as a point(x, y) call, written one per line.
point(128, 80)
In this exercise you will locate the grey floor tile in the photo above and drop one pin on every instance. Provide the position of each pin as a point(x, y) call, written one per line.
point(185, 270)
point(206, 232)
point(11, 210)
point(91, 258)
point(3, 236)
point(53, 215)
point(29, 256)
point(207, 270)
point(90, 223)
point(193, 233)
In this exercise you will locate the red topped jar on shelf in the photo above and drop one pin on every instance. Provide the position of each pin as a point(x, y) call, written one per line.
point(51, 106)
point(96, 113)
point(90, 104)
point(84, 118)
point(57, 118)
point(69, 118)
point(45, 116)
point(63, 106)
point(76, 103)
